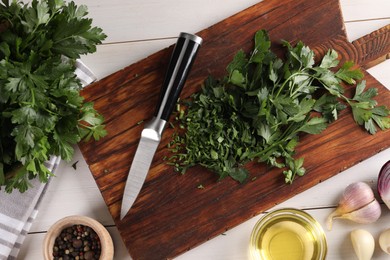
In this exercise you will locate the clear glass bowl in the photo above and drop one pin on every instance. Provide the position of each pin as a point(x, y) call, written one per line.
point(288, 234)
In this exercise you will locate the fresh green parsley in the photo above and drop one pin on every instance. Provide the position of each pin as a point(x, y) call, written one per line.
point(41, 110)
point(258, 111)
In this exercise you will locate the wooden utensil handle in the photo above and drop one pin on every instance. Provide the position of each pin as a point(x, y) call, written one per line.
point(373, 48)
point(179, 66)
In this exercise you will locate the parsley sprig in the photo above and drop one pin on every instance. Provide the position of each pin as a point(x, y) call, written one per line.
point(261, 107)
point(41, 110)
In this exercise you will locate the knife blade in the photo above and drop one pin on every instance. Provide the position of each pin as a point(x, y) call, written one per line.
point(182, 58)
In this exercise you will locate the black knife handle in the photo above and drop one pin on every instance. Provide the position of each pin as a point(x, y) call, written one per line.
point(182, 58)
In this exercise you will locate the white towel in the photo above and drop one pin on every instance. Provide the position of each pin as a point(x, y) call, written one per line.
point(19, 210)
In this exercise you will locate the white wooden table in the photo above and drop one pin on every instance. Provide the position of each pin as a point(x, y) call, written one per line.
point(138, 28)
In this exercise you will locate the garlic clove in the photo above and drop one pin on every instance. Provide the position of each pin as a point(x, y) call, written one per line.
point(384, 241)
point(355, 196)
point(334, 214)
point(384, 183)
point(358, 204)
point(368, 214)
point(363, 243)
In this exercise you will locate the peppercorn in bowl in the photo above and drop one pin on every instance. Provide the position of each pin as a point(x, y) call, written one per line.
point(77, 237)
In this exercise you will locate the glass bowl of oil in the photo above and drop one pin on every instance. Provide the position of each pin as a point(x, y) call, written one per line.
point(288, 234)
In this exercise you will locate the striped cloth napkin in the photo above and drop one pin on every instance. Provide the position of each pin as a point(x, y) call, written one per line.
point(19, 210)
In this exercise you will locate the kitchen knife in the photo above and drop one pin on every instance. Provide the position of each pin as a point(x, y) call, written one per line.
point(179, 66)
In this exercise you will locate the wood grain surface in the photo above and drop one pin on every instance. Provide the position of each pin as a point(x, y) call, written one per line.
point(171, 215)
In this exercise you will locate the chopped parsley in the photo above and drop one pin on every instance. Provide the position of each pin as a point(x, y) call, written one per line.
point(258, 111)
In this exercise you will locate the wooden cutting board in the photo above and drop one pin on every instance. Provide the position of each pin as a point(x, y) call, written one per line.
point(171, 215)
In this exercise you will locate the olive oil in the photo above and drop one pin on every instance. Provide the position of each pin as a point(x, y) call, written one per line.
point(288, 236)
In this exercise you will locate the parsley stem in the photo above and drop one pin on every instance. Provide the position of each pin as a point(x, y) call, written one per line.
point(288, 80)
point(63, 39)
point(294, 94)
point(32, 96)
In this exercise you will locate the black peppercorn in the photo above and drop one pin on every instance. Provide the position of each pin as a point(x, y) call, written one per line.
point(77, 242)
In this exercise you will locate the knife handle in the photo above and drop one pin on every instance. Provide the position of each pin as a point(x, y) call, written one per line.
point(182, 58)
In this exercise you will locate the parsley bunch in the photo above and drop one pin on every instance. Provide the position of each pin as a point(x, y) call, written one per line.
point(262, 106)
point(41, 110)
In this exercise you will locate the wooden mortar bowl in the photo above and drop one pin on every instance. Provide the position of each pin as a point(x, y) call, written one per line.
point(107, 247)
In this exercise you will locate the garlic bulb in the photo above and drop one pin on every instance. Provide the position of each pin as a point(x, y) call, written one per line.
point(363, 243)
point(384, 241)
point(384, 183)
point(358, 204)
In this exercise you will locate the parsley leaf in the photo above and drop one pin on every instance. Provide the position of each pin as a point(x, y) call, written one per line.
point(329, 60)
point(347, 74)
point(365, 110)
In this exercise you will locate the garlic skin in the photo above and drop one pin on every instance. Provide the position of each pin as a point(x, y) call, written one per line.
point(358, 204)
point(384, 183)
point(384, 241)
point(355, 196)
point(363, 243)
